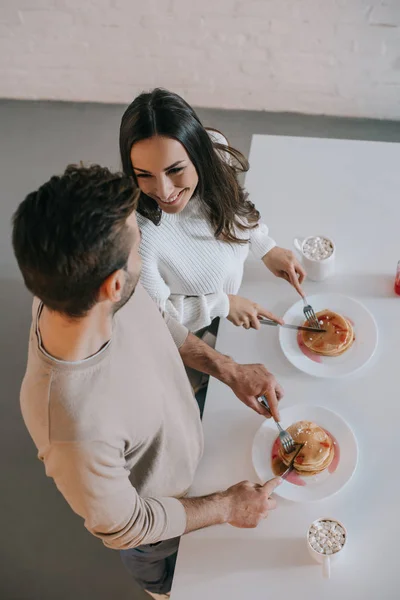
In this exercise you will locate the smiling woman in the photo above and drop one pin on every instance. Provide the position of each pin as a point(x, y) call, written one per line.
point(182, 139)
point(170, 186)
point(196, 220)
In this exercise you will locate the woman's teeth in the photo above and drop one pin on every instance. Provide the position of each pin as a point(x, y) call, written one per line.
point(173, 199)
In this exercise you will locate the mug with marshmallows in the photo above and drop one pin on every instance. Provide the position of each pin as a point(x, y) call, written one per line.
point(326, 540)
point(318, 255)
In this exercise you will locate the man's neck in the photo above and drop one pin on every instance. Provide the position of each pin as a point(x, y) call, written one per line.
point(74, 339)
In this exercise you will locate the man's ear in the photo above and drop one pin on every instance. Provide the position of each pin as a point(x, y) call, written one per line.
point(111, 288)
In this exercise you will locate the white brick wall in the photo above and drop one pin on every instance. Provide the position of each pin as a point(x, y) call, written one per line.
point(339, 57)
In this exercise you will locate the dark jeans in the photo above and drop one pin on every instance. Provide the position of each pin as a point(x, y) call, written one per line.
point(153, 565)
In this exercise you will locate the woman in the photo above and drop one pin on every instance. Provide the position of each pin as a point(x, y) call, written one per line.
point(196, 221)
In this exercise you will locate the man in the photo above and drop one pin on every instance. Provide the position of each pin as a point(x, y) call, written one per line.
point(105, 397)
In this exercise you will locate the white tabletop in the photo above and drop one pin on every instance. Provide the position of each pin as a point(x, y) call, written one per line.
point(349, 191)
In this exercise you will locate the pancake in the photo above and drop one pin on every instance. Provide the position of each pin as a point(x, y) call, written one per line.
point(318, 450)
point(338, 338)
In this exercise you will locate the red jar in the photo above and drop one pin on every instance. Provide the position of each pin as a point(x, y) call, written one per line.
point(397, 280)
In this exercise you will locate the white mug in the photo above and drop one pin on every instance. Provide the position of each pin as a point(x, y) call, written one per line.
point(317, 270)
point(326, 559)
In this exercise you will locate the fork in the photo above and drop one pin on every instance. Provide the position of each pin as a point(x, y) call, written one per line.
point(310, 314)
point(285, 438)
point(291, 465)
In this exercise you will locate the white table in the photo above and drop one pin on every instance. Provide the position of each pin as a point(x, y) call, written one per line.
point(350, 191)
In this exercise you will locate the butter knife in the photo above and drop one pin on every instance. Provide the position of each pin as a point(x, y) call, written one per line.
point(291, 465)
point(298, 327)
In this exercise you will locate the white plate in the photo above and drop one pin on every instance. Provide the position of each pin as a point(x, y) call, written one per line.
point(363, 348)
point(319, 486)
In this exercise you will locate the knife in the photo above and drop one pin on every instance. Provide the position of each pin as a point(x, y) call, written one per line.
point(298, 327)
point(291, 465)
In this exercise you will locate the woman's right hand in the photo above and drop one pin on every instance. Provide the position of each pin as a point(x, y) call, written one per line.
point(246, 313)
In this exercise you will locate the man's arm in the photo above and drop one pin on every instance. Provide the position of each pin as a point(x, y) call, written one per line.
point(242, 505)
point(248, 382)
point(200, 356)
point(205, 511)
point(93, 479)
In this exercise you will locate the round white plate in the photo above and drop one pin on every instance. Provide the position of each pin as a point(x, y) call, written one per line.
point(319, 486)
point(363, 348)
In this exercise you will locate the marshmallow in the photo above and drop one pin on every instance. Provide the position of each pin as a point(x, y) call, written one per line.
point(326, 537)
point(317, 248)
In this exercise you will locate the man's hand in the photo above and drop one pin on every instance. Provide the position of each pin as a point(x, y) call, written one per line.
point(242, 505)
point(246, 313)
point(250, 502)
point(249, 382)
point(283, 263)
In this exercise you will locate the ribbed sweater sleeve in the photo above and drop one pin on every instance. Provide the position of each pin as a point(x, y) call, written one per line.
point(260, 242)
point(194, 312)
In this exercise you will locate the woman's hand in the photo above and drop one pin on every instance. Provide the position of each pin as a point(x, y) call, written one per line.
point(245, 313)
point(283, 263)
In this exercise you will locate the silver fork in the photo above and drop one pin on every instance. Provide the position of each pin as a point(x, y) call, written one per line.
point(310, 314)
point(285, 438)
point(291, 465)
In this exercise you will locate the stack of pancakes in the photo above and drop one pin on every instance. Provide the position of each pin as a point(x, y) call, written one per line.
point(318, 450)
point(338, 338)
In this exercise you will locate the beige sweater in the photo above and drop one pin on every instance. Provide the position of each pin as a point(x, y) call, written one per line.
point(119, 432)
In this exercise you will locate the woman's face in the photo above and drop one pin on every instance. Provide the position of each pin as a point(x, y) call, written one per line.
point(164, 172)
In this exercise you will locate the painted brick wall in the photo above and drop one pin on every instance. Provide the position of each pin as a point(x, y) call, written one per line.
point(339, 57)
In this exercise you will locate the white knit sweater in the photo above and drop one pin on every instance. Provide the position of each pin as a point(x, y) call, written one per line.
point(187, 271)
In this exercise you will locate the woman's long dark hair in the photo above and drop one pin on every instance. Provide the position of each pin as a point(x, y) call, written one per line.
point(166, 114)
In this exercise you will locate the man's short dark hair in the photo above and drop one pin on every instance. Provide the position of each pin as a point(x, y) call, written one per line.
point(71, 234)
